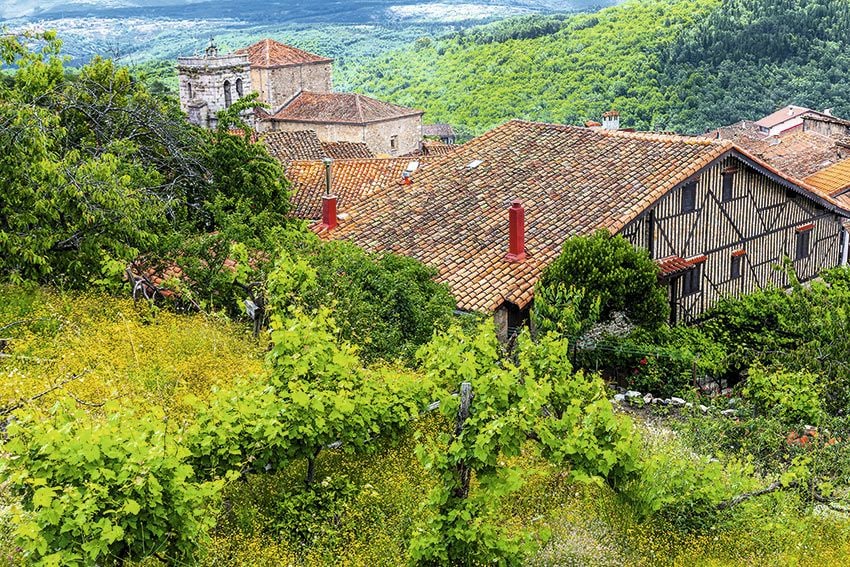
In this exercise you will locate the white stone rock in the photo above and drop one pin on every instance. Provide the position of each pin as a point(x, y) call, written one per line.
point(619, 397)
point(632, 394)
point(677, 401)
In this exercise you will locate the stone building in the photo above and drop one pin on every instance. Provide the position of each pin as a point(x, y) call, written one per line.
point(211, 83)
point(297, 87)
point(280, 72)
point(387, 129)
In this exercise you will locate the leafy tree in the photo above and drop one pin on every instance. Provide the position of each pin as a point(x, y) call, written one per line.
point(608, 274)
point(64, 209)
point(388, 305)
point(247, 196)
point(500, 407)
point(103, 491)
point(100, 171)
point(316, 395)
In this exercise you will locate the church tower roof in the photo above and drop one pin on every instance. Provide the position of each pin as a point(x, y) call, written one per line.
point(269, 54)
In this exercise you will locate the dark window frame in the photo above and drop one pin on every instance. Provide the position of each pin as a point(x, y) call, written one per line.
point(727, 192)
point(239, 88)
point(692, 280)
point(689, 197)
point(803, 244)
point(228, 96)
point(735, 266)
point(394, 142)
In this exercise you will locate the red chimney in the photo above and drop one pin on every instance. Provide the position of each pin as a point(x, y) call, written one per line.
point(328, 212)
point(516, 247)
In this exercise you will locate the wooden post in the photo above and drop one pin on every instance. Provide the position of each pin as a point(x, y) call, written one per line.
point(694, 372)
point(463, 471)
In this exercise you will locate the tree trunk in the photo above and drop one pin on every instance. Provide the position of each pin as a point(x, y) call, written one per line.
point(311, 467)
point(463, 471)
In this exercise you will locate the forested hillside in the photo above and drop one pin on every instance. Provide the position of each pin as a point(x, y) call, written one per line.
point(750, 57)
point(682, 65)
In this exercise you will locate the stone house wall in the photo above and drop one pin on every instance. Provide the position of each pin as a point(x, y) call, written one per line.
point(407, 130)
point(278, 85)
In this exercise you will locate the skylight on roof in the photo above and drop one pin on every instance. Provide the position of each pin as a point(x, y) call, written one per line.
point(412, 167)
point(474, 163)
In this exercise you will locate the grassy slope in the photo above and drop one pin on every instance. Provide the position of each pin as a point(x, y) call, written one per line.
point(596, 62)
point(160, 358)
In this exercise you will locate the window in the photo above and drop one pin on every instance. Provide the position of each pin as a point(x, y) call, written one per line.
point(393, 142)
point(689, 197)
point(735, 271)
point(189, 87)
point(728, 181)
point(692, 280)
point(803, 241)
point(239, 92)
point(228, 98)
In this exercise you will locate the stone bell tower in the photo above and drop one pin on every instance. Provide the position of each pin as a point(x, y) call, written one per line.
point(211, 83)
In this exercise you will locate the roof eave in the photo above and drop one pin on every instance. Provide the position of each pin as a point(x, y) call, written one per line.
point(285, 65)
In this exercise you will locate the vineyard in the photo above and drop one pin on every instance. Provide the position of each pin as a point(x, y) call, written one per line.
point(150, 402)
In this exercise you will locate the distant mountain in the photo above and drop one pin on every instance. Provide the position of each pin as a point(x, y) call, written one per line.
point(288, 11)
point(139, 31)
point(683, 65)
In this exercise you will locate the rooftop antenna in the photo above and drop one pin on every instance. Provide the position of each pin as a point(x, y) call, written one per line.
point(328, 162)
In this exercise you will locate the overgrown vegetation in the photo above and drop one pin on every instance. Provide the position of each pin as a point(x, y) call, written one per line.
point(132, 434)
point(365, 508)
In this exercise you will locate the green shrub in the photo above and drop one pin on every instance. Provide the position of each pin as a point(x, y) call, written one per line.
point(387, 305)
point(794, 397)
point(610, 275)
point(99, 492)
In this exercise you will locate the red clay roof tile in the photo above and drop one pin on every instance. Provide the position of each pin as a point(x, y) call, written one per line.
point(571, 181)
point(344, 108)
point(268, 54)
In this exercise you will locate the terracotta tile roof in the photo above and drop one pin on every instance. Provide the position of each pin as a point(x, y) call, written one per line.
point(436, 148)
point(782, 115)
point(454, 216)
point(438, 130)
point(834, 179)
point(673, 265)
point(155, 278)
point(347, 150)
point(240, 132)
point(822, 117)
point(798, 153)
point(432, 148)
point(288, 146)
point(352, 179)
point(268, 54)
point(345, 108)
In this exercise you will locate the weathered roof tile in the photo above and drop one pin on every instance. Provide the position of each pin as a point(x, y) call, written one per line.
point(344, 108)
point(454, 215)
point(268, 54)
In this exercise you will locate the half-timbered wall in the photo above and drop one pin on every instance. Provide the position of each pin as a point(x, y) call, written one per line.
point(759, 223)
